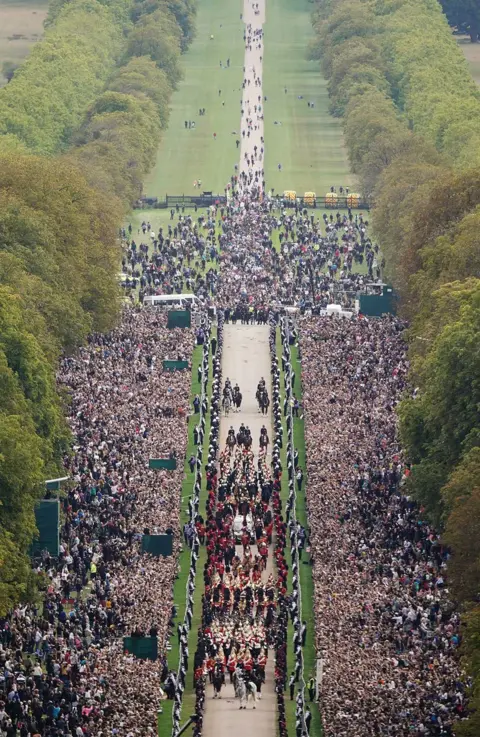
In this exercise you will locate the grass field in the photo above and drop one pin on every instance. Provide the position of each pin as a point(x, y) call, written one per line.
point(188, 155)
point(309, 142)
point(21, 25)
point(472, 55)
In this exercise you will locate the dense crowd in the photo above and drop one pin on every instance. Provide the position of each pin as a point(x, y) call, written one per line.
point(65, 672)
point(386, 628)
point(248, 253)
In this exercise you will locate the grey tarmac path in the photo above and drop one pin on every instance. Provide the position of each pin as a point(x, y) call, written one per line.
point(245, 359)
point(254, 15)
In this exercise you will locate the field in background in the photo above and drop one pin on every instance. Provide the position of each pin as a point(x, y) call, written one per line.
point(21, 25)
point(186, 155)
point(307, 142)
point(472, 55)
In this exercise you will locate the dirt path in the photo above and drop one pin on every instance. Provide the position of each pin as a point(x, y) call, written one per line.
point(254, 16)
point(246, 359)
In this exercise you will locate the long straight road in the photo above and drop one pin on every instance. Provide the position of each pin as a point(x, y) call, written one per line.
point(245, 360)
point(252, 99)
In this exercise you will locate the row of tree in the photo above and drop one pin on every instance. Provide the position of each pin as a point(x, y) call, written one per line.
point(412, 126)
point(80, 123)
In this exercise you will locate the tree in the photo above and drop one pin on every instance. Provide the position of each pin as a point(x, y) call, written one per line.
point(470, 651)
point(464, 479)
point(462, 534)
point(65, 233)
point(441, 423)
point(8, 69)
point(15, 572)
point(45, 101)
point(158, 36)
point(403, 184)
point(465, 14)
point(141, 76)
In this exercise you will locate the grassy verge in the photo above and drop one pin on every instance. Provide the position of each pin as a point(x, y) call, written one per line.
point(306, 581)
point(179, 590)
point(309, 142)
point(186, 155)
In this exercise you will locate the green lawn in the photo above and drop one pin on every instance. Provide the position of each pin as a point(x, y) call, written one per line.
point(309, 142)
point(188, 155)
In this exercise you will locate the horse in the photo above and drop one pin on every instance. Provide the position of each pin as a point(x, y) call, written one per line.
point(226, 404)
point(237, 400)
point(263, 401)
point(240, 688)
point(264, 440)
point(244, 690)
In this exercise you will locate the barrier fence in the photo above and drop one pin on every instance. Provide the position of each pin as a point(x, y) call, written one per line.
point(342, 202)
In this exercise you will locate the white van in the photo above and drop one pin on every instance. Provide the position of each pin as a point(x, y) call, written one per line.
point(336, 310)
point(171, 300)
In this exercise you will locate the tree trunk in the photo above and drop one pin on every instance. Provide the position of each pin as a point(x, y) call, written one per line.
point(474, 29)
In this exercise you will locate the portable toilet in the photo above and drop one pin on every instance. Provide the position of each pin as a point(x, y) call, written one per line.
point(309, 198)
point(331, 199)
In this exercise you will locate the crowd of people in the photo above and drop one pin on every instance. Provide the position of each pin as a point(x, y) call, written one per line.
point(64, 669)
point(385, 627)
point(251, 253)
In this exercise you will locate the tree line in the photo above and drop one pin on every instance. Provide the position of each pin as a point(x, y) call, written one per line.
point(411, 114)
point(80, 122)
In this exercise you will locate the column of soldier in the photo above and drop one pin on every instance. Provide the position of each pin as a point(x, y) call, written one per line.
point(280, 538)
point(199, 681)
point(237, 627)
point(179, 682)
point(302, 714)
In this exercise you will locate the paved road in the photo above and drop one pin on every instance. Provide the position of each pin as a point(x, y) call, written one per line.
point(245, 360)
point(254, 16)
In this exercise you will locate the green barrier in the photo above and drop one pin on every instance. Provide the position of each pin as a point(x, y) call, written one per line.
point(145, 648)
point(55, 484)
point(179, 319)
point(376, 305)
point(47, 519)
point(158, 545)
point(170, 464)
point(175, 365)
